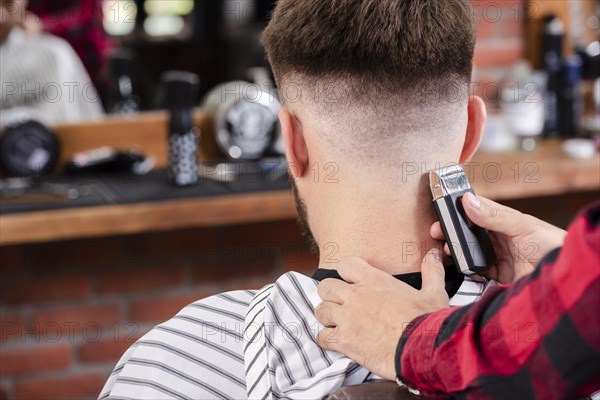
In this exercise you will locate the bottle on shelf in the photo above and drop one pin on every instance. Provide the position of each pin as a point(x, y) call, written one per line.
point(180, 91)
point(570, 99)
point(552, 61)
point(122, 99)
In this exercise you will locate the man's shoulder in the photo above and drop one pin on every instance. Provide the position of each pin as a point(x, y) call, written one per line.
point(49, 42)
point(291, 283)
point(283, 314)
point(291, 291)
point(222, 312)
point(281, 352)
point(296, 280)
point(196, 354)
point(205, 320)
point(233, 304)
point(39, 44)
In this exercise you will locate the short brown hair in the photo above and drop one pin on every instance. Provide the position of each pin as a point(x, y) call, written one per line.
point(398, 43)
point(385, 66)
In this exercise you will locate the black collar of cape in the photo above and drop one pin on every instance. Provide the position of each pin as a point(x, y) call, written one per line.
point(453, 278)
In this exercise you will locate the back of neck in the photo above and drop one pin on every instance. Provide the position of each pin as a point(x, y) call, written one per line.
point(389, 230)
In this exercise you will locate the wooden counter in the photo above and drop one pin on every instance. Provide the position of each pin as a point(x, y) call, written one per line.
point(546, 171)
point(543, 172)
point(46, 226)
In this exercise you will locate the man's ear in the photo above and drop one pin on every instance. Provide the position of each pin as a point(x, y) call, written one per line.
point(477, 117)
point(295, 145)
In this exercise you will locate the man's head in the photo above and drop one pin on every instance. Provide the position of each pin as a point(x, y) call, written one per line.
point(369, 86)
point(12, 13)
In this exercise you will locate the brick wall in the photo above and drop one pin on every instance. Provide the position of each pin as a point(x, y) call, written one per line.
point(500, 30)
point(500, 44)
point(69, 310)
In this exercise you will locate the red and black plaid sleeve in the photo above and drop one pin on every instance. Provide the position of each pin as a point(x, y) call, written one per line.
point(539, 338)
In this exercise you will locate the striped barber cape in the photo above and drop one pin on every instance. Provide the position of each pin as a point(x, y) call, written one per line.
point(257, 344)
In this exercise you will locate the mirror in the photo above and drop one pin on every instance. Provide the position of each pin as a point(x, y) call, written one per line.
point(65, 61)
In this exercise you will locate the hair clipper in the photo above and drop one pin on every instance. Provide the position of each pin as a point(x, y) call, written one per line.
point(470, 245)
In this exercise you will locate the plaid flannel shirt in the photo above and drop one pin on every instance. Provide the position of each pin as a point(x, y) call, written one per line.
point(539, 338)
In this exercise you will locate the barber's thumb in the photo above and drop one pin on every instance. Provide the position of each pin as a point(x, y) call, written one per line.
point(432, 271)
point(489, 214)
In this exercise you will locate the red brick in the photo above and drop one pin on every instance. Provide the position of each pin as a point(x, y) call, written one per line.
point(71, 387)
point(301, 260)
point(209, 243)
point(499, 19)
point(171, 245)
point(246, 268)
point(163, 308)
point(485, 29)
point(246, 252)
point(270, 234)
point(498, 56)
point(11, 327)
point(512, 27)
point(48, 289)
point(240, 252)
point(5, 393)
point(71, 255)
point(488, 90)
point(107, 350)
point(83, 320)
point(11, 259)
point(133, 280)
point(20, 361)
point(250, 284)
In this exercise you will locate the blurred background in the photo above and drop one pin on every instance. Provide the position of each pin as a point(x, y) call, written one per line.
point(142, 167)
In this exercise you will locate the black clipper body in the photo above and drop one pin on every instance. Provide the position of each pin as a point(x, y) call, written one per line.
point(470, 245)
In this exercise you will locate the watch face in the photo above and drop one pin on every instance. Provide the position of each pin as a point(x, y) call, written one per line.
point(251, 128)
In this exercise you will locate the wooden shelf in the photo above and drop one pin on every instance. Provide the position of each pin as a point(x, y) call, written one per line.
point(46, 226)
point(543, 172)
point(546, 171)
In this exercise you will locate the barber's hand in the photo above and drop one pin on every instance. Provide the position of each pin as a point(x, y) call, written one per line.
point(365, 318)
point(520, 240)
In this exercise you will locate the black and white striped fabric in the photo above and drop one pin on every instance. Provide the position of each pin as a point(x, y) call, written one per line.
point(244, 344)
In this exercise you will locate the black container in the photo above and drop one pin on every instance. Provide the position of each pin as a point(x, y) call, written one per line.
point(552, 61)
point(570, 100)
point(122, 99)
point(180, 91)
point(28, 149)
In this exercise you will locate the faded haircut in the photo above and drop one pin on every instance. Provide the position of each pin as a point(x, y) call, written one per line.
point(379, 68)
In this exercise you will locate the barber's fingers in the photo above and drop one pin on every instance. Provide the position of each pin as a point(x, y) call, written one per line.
point(432, 272)
point(493, 216)
point(328, 313)
point(436, 231)
point(333, 290)
point(329, 338)
point(355, 270)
